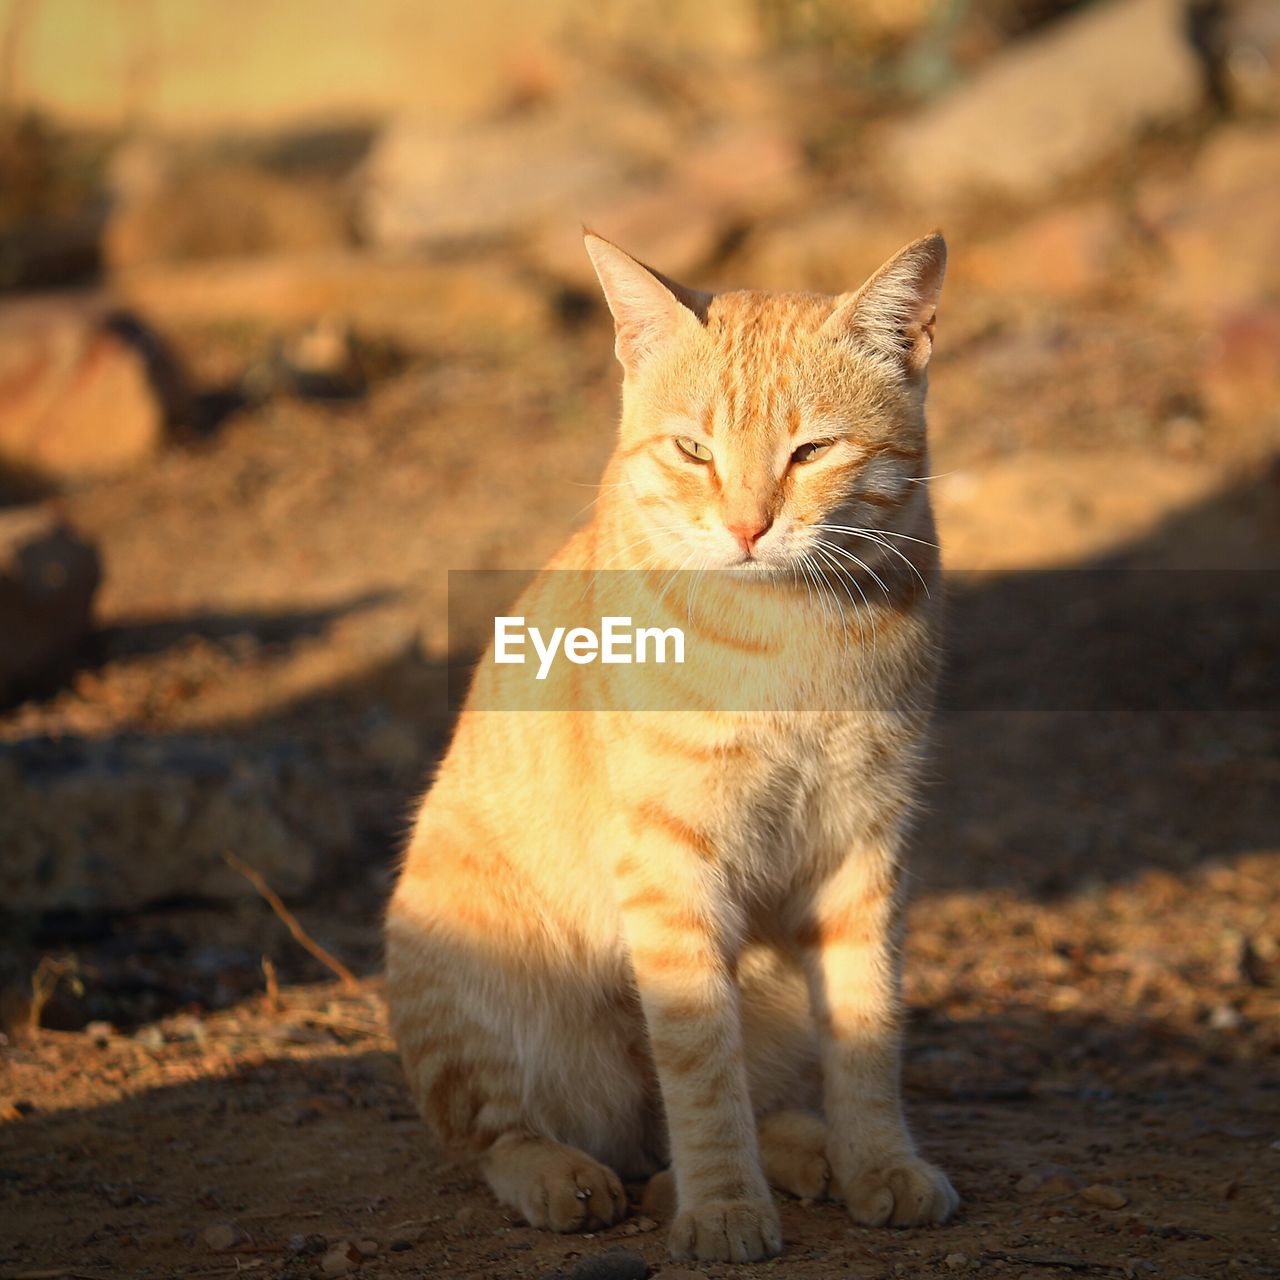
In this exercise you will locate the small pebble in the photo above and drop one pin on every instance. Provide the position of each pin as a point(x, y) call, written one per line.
point(468, 1218)
point(367, 1248)
point(617, 1264)
point(1104, 1197)
point(1047, 1180)
point(224, 1236)
point(306, 1244)
point(957, 1261)
point(1224, 1018)
point(343, 1257)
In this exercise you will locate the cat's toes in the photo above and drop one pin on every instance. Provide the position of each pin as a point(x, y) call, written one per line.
point(574, 1194)
point(727, 1231)
point(793, 1154)
point(659, 1196)
point(906, 1193)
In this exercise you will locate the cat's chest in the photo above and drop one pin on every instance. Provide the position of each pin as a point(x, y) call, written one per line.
point(797, 787)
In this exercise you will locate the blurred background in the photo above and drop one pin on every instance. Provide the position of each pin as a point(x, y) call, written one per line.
point(295, 318)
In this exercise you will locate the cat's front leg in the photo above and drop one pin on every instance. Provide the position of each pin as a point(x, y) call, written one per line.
point(674, 931)
point(849, 939)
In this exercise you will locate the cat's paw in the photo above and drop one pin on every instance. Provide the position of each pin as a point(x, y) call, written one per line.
point(906, 1192)
point(727, 1231)
point(572, 1192)
point(793, 1154)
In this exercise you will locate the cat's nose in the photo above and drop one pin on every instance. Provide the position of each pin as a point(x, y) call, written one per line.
point(749, 531)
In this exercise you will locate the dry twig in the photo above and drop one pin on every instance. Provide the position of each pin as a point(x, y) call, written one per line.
point(44, 982)
point(273, 984)
point(290, 921)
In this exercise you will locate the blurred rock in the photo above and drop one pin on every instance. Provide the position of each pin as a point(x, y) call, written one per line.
point(408, 302)
point(832, 248)
point(667, 186)
point(120, 823)
point(1220, 227)
point(715, 187)
point(289, 63)
point(169, 212)
point(1240, 376)
point(48, 577)
point(1061, 252)
point(78, 388)
point(427, 184)
point(1053, 104)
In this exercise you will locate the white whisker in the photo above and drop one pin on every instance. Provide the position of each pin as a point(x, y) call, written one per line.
point(844, 574)
point(884, 546)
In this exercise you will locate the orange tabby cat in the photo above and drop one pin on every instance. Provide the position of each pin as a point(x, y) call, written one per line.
point(623, 938)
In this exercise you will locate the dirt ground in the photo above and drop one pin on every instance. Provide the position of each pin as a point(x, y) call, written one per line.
point(1093, 963)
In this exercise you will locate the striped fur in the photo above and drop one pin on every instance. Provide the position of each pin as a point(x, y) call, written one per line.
point(628, 938)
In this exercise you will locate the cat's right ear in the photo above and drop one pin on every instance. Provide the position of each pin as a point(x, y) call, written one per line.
point(894, 312)
point(649, 311)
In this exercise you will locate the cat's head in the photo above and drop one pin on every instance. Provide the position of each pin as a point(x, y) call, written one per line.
point(755, 425)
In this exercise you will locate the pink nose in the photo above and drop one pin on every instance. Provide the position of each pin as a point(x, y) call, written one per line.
point(749, 532)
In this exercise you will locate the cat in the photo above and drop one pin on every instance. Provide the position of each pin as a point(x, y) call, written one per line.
point(622, 939)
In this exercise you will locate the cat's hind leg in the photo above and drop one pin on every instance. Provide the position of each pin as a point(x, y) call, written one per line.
point(519, 1040)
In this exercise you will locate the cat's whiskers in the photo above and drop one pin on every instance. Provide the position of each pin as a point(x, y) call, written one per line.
point(844, 575)
point(674, 575)
point(647, 539)
point(652, 535)
point(580, 484)
point(853, 606)
point(699, 575)
point(795, 574)
point(862, 564)
point(820, 585)
point(867, 568)
point(879, 533)
point(869, 536)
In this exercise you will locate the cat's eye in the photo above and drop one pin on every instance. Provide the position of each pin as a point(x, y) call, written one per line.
point(693, 449)
point(814, 449)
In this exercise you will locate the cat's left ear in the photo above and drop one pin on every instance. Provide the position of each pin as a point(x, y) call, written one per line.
point(894, 312)
point(649, 311)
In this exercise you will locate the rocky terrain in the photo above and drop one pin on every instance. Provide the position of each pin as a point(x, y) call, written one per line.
point(262, 390)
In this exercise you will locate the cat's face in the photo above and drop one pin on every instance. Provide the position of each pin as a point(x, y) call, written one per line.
point(758, 426)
